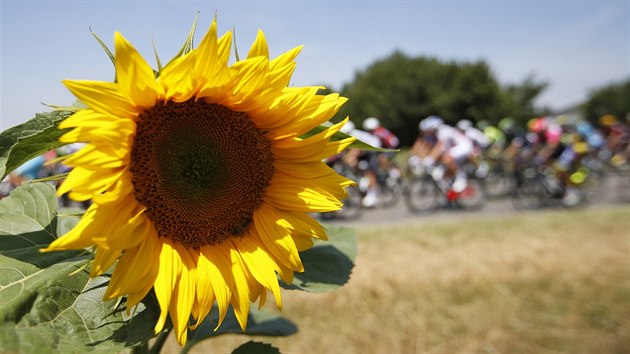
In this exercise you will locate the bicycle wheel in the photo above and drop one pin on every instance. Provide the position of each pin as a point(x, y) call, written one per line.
point(421, 195)
point(389, 194)
point(471, 197)
point(528, 194)
point(498, 183)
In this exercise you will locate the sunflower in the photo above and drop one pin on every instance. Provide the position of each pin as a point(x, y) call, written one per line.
point(201, 183)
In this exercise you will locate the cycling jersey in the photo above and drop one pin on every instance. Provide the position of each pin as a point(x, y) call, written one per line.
point(477, 137)
point(553, 133)
point(387, 138)
point(454, 143)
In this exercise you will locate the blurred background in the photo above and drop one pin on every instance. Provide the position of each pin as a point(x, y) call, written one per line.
point(532, 257)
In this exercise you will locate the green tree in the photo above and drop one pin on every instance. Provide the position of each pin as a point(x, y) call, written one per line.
point(402, 90)
point(612, 99)
point(519, 99)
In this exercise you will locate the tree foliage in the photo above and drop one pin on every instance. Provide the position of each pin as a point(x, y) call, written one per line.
point(609, 99)
point(401, 90)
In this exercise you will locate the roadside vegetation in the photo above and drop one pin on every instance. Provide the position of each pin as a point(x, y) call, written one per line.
point(548, 282)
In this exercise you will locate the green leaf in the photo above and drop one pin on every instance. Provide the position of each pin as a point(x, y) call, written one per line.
point(252, 347)
point(47, 299)
point(104, 46)
point(28, 140)
point(188, 44)
point(65, 313)
point(357, 144)
point(28, 222)
point(328, 265)
point(259, 323)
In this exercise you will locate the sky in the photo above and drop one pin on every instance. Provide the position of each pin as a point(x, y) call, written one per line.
point(575, 46)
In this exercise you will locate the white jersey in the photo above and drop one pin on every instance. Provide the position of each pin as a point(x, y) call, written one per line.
point(455, 143)
point(478, 137)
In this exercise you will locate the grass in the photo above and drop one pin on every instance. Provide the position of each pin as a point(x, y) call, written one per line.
point(553, 282)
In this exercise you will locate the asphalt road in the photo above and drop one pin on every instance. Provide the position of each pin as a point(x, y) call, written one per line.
point(615, 189)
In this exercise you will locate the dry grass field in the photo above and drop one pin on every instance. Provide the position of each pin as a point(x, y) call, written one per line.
point(550, 282)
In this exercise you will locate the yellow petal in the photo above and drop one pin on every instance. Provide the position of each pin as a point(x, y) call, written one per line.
point(135, 77)
point(260, 265)
point(183, 294)
point(129, 231)
point(169, 270)
point(103, 260)
point(241, 292)
point(285, 107)
point(333, 183)
point(90, 181)
point(87, 118)
point(75, 238)
point(204, 296)
point(302, 224)
point(211, 70)
point(316, 113)
point(286, 58)
point(103, 97)
point(259, 47)
point(225, 44)
point(296, 198)
point(178, 78)
point(215, 261)
point(92, 157)
point(303, 243)
point(276, 238)
point(310, 169)
point(248, 78)
point(136, 270)
point(133, 298)
point(114, 133)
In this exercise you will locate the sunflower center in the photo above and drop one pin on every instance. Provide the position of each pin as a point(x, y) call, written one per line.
point(200, 169)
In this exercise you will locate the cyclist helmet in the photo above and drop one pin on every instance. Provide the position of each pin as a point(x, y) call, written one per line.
point(584, 128)
point(537, 125)
point(430, 123)
point(482, 124)
point(371, 123)
point(607, 120)
point(464, 124)
point(507, 124)
point(348, 127)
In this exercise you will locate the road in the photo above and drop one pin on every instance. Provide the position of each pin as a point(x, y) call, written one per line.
point(615, 189)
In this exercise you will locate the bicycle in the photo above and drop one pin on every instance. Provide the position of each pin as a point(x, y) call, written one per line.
point(539, 187)
point(423, 193)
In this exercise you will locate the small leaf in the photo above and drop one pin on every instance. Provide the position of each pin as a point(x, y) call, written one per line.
point(28, 140)
point(328, 265)
point(107, 51)
point(188, 44)
point(252, 347)
point(260, 323)
point(50, 178)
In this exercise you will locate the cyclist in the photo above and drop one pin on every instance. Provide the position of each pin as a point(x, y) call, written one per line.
point(381, 166)
point(365, 161)
point(480, 145)
point(388, 139)
point(616, 135)
point(444, 144)
point(546, 147)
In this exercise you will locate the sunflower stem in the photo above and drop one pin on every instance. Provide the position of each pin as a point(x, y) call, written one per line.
point(161, 339)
